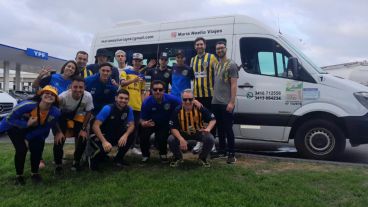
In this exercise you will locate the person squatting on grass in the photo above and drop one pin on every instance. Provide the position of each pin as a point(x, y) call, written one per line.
point(155, 116)
point(28, 125)
point(188, 123)
point(76, 105)
point(114, 126)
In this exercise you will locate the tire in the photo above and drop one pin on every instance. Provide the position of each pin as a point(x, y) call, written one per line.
point(320, 139)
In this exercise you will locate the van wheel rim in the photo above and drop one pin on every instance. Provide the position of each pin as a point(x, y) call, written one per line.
point(320, 141)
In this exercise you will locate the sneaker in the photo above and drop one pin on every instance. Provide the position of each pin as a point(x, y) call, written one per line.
point(197, 148)
point(218, 155)
point(204, 162)
point(122, 163)
point(19, 180)
point(58, 170)
point(145, 159)
point(42, 164)
point(136, 151)
point(231, 159)
point(213, 150)
point(163, 159)
point(75, 167)
point(175, 162)
point(36, 178)
point(91, 164)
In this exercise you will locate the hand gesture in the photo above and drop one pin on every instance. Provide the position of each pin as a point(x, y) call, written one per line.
point(83, 134)
point(122, 141)
point(107, 146)
point(59, 138)
point(148, 123)
point(183, 145)
point(230, 107)
point(151, 63)
point(32, 121)
point(45, 71)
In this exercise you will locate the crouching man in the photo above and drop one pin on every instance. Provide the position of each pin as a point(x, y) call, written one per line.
point(188, 123)
point(113, 126)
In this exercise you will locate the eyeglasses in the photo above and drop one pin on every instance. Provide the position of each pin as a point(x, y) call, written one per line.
point(158, 89)
point(163, 59)
point(187, 99)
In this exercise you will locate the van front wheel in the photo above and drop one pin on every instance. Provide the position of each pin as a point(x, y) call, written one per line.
point(320, 139)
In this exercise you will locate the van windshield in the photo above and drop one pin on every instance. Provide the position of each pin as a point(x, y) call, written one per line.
point(315, 67)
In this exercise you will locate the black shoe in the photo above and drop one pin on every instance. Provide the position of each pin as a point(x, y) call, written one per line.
point(176, 162)
point(121, 164)
point(218, 155)
point(204, 162)
point(58, 170)
point(19, 180)
point(163, 159)
point(75, 167)
point(145, 160)
point(36, 178)
point(92, 164)
point(231, 159)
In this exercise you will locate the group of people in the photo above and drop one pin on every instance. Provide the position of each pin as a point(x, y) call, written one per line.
point(103, 106)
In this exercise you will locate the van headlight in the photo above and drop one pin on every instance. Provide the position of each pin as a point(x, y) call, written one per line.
point(362, 97)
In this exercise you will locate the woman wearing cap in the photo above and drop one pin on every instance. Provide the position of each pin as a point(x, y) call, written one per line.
point(60, 81)
point(28, 125)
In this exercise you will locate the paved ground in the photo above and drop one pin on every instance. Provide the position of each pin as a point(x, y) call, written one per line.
point(357, 155)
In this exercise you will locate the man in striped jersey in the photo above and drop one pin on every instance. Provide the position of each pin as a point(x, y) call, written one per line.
point(188, 122)
point(203, 65)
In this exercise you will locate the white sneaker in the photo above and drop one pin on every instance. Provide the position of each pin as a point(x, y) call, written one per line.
point(197, 148)
point(213, 150)
point(136, 151)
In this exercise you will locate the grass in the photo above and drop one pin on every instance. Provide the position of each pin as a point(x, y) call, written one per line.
point(251, 182)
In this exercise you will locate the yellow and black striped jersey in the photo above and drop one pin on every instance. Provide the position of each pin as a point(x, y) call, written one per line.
point(203, 68)
point(190, 121)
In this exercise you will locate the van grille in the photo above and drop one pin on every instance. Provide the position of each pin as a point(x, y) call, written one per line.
point(5, 108)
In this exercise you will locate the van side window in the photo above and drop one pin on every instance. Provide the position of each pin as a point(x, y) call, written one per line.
point(148, 51)
point(188, 48)
point(265, 57)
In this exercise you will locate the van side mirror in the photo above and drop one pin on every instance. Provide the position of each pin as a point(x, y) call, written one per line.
point(293, 66)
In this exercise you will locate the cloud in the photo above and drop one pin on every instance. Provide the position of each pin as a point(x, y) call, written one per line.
point(330, 31)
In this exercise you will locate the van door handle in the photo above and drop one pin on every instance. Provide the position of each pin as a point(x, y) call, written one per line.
point(245, 85)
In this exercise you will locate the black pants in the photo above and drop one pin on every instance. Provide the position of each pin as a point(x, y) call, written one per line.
point(207, 139)
point(99, 157)
point(224, 125)
point(206, 102)
point(137, 116)
point(80, 144)
point(35, 146)
point(161, 135)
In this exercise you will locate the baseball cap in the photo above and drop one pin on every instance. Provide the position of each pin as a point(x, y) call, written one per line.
point(138, 56)
point(102, 52)
point(50, 89)
point(179, 52)
point(164, 55)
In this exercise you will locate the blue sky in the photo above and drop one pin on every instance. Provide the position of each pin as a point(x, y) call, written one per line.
point(328, 31)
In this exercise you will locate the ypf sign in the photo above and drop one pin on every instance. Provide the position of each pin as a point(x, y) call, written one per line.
point(37, 54)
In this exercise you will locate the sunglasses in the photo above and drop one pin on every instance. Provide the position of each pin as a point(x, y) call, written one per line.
point(158, 89)
point(187, 99)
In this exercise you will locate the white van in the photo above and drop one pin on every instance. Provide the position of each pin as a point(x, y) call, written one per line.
point(282, 95)
point(7, 103)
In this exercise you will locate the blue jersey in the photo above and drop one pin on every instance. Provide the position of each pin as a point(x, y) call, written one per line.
point(56, 80)
point(159, 112)
point(114, 73)
point(102, 93)
point(19, 118)
point(181, 77)
point(106, 112)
